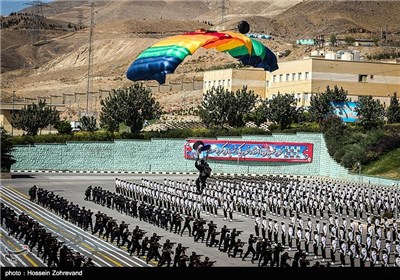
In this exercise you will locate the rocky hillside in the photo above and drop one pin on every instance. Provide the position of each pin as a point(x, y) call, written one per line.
point(46, 61)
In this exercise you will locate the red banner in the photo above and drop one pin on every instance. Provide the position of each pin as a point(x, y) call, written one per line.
point(252, 151)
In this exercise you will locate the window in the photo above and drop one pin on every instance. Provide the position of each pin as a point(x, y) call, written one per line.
point(214, 82)
point(299, 76)
point(293, 76)
point(362, 78)
point(371, 77)
point(274, 78)
point(281, 78)
point(229, 82)
point(287, 77)
point(307, 77)
point(209, 84)
point(267, 84)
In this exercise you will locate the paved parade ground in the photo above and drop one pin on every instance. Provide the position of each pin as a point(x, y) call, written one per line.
point(14, 194)
point(72, 187)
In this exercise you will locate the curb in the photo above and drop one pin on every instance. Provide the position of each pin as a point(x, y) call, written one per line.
point(151, 172)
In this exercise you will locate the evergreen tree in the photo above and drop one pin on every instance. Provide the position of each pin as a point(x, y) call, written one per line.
point(6, 148)
point(221, 107)
point(370, 112)
point(132, 106)
point(282, 109)
point(88, 123)
point(35, 117)
point(244, 104)
point(393, 112)
point(321, 106)
point(63, 127)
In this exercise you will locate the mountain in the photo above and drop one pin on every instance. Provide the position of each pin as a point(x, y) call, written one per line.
point(51, 55)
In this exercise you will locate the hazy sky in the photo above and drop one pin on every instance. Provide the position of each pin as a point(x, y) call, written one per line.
point(8, 6)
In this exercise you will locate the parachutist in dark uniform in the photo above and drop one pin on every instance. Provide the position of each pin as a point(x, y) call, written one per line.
point(205, 172)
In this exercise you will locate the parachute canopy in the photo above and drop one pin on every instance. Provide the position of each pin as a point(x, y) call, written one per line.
point(163, 57)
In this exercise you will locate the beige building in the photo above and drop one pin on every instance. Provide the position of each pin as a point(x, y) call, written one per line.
point(234, 79)
point(311, 75)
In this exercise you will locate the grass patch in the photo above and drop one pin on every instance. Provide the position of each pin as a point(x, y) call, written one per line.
point(387, 166)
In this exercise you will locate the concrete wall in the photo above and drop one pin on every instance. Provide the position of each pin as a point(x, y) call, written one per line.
point(166, 155)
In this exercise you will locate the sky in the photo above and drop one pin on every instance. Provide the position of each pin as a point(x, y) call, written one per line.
point(8, 6)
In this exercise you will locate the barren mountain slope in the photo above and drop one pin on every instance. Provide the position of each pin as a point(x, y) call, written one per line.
point(125, 28)
point(315, 17)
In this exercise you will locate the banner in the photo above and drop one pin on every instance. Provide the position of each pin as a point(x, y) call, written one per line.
point(253, 151)
point(345, 110)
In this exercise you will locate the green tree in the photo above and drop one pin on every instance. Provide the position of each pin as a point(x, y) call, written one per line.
point(221, 107)
point(132, 105)
point(35, 117)
point(88, 123)
point(333, 129)
point(349, 40)
point(370, 112)
point(320, 104)
point(336, 94)
point(6, 148)
point(63, 127)
point(261, 112)
point(393, 112)
point(282, 110)
point(333, 39)
point(244, 103)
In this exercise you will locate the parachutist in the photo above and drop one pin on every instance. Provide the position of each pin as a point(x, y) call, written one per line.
point(205, 172)
point(244, 27)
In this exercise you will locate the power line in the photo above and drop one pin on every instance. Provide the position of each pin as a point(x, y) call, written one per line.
point(37, 11)
point(90, 58)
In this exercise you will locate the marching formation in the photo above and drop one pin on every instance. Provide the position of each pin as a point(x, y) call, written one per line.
point(296, 222)
point(314, 217)
point(47, 246)
point(108, 228)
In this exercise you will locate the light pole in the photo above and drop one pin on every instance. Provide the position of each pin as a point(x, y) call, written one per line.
point(12, 126)
point(359, 171)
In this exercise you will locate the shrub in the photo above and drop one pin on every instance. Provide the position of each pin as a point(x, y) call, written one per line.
point(63, 127)
point(354, 154)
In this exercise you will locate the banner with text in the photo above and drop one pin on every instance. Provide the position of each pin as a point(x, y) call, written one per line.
point(252, 151)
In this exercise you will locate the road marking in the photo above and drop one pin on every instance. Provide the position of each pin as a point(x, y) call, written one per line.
point(57, 230)
point(51, 215)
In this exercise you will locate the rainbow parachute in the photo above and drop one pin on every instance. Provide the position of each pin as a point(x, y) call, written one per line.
point(163, 57)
